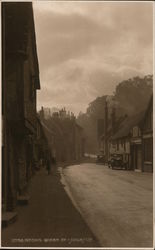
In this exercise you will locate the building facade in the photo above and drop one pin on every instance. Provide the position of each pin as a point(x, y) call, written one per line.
point(147, 138)
point(134, 140)
point(136, 148)
point(66, 138)
point(121, 145)
point(20, 82)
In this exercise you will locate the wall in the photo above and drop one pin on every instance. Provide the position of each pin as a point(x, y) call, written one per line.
point(120, 146)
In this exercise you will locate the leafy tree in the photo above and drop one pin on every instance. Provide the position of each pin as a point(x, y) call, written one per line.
point(131, 96)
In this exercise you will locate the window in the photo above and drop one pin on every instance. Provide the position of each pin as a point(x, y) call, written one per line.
point(135, 131)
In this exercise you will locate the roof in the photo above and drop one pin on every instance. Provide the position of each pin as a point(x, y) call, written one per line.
point(78, 126)
point(46, 128)
point(149, 106)
point(118, 122)
point(127, 125)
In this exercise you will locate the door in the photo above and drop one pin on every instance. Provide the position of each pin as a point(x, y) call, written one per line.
point(139, 157)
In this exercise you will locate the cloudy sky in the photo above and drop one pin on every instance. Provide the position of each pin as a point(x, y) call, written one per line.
point(86, 48)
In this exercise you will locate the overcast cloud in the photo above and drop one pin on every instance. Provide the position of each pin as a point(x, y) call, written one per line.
point(86, 48)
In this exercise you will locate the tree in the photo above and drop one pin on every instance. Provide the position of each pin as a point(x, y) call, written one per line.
point(131, 96)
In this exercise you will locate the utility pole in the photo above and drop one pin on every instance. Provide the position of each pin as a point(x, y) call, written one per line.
point(106, 132)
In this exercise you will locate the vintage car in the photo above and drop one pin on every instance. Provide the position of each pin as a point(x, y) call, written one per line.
point(100, 158)
point(116, 161)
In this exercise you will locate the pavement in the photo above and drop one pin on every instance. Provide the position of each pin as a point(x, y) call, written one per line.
point(49, 220)
point(116, 204)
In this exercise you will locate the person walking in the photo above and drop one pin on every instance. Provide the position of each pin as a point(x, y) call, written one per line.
point(48, 165)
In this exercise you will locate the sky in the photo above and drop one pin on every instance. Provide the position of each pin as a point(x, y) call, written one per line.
point(86, 48)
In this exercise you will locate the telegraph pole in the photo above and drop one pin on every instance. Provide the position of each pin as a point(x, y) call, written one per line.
point(106, 132)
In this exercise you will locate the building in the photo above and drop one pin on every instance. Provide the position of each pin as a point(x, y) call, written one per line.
point(65, 137)
point(147, 138)
point(131, 137)
point(119, 142)
point(108, 126)
point(134, 141)
point(127, 141)
point(44, 144)
point(79, 142)
point(20, 82)
point(104, 131)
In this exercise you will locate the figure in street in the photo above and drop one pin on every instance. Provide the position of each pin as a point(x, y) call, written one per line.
point(48, 165)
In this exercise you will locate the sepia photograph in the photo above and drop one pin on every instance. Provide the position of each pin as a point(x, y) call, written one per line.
point(77, 124)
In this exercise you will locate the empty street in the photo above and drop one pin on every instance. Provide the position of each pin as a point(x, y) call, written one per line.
point(116, 204)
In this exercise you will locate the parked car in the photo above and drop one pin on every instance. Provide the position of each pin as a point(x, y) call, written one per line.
point(100, 158)
point(116, 161)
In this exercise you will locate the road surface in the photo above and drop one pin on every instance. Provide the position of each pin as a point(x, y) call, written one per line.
point(116, 204)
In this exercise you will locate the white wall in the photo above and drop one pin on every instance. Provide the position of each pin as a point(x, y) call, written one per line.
point(121, 150)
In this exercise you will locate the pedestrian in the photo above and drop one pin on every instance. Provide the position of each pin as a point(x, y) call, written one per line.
point(41, 163)
point(53, 160)
point(48, 165)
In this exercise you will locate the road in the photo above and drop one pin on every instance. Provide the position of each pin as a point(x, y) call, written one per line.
point(116, 204)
